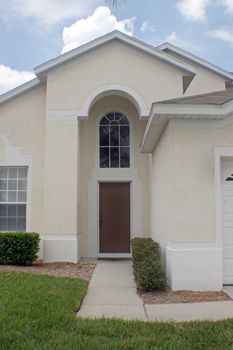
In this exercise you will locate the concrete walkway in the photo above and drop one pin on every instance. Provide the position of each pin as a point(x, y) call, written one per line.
point(112, 293)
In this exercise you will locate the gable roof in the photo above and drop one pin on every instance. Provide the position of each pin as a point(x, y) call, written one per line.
point(166, 47)
point(216, 105)
point(217, 98)
point(20, 89)
point(41, 70)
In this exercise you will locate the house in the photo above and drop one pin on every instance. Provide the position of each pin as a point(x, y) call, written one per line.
point(117, 139)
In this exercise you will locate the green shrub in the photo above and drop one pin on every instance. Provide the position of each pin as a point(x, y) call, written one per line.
point(145, 248)
point(148, 271)
point(18, 248)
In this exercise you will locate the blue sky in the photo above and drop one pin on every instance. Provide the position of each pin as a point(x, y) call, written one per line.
point(32, 32)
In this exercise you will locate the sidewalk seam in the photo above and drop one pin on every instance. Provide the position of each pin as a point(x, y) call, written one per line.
point(145, 312)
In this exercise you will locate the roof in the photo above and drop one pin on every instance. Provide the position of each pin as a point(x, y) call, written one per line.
point(213, 106)
point(42, 69)
point(217, 98)
point(159, 52)
point(20, 89)
point(166, 47)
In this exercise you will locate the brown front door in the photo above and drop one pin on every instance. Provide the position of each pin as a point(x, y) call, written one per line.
point(114, 217)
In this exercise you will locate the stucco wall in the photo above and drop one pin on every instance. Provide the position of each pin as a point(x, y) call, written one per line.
point(60, 184)
point(204, 80)
point(190, 187)
point(22, 122)
point(161, 189)
point(114, 63)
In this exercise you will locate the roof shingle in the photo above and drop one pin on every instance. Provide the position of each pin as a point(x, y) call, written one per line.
point(217, 98)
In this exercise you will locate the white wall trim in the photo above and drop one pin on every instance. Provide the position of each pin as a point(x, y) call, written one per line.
point(194, 266)
point(60, 248)
point(219, 153)
point(13, 156)
point(117, 90)
point(64, 237)
point(189, 111)
point(200, 123)
point(93, 97)
point(162, 113)
point(42, 69)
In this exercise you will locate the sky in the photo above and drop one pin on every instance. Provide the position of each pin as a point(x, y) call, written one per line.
point(34, 31)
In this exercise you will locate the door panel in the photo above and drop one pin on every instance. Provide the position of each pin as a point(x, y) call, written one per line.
point(114, 219)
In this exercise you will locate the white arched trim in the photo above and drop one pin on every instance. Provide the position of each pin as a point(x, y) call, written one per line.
point(117, 90)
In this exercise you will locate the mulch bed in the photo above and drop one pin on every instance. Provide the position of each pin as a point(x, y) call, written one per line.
point(182, 296)
point(59, 269)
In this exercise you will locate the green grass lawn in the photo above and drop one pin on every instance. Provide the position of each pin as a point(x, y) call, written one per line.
point(37, 312)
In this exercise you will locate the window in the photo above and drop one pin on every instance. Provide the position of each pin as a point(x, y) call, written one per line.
point(13, 198)
point(114, 141)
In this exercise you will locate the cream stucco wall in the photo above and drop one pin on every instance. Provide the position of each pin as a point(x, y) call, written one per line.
point(60, 183)
point(22, 122)
point(161, 189)
point(114, 63)
point(204, 81)
point(183, 166)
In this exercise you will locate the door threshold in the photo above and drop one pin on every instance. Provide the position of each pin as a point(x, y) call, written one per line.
point(114, 256)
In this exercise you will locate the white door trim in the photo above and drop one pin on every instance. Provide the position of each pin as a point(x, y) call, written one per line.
point(219, 153)
point(112, 175)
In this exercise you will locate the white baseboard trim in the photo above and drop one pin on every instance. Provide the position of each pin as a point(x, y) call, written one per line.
point(66, 248)
point(194, 266)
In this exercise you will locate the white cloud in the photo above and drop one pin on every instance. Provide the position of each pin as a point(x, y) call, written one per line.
point(222, 33)
point(10, 78)
point(99, 23)
point(147, 26)
point(172, 37)
point(46, 12)
point(193, 10)
point(229, 5)
point(196, 10)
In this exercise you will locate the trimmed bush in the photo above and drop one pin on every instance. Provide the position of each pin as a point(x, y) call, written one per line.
point(18, 248)
point(148, 271)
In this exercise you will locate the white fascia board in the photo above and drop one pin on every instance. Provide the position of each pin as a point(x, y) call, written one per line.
point(152, 134)
point(161, 113)
point(19, 90)
point(188, 111)
point(42, 69)
point(198, 60)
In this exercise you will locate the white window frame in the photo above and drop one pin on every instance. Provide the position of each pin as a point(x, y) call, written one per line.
point(15, 157)
point(16, 202)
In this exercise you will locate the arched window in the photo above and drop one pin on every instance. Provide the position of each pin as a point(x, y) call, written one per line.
point(114, 141)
